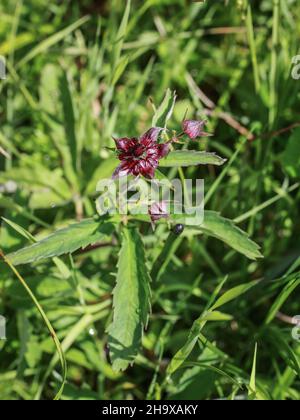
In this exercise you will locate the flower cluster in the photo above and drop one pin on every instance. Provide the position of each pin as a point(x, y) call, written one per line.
point(141, 156)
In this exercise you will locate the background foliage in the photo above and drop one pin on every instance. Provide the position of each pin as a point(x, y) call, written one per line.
point(80, 72)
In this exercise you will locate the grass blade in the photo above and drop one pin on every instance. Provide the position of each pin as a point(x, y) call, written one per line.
point(52, 40)
point(47, 323)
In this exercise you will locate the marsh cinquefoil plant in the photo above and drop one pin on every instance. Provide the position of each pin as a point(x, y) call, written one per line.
point(144, 157)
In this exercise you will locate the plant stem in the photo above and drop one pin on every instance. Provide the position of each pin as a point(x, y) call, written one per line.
point(159, 266)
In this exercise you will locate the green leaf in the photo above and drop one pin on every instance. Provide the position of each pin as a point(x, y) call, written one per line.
point(253, 48)
point(120, 36)
point(123, 62)
point(52, 40)
point(190, 158)
point(280, 343)
point(37, 177)
point(183, 353)
point(164, 112)
point(225, 230)
point(69, 119)
point(23, 232)
point(169, 249)
point(290, 157)
point(252, 384)
point(232, 294)
point(199, 324)
point(218, 227)
point(163, 180)
point(131, 301)
point(48, 324)
point(220, 372)
point(216, 316)
point(63, 241)
point(8, 204)
point(293, 283)
point(104, 171)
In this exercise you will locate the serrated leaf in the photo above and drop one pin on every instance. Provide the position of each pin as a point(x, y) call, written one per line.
point(64, 241)
point(131, 301)
point(223, 229)
point(190, 158)
point(226, 231)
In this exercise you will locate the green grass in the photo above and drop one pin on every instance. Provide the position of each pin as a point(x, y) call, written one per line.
point(82, 72)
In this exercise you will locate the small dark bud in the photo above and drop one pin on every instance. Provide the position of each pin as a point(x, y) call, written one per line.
point(178, 229)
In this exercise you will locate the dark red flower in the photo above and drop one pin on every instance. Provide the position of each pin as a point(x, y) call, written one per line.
point(194, 128)
point(158, 211)
point(140, 156)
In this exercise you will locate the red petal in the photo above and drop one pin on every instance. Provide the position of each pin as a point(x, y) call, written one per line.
point(146, 169)
point(153, 161)
point(125, 143)
point(150, 137)
point(121, 170)
point(150, 173)
point(163, 150)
